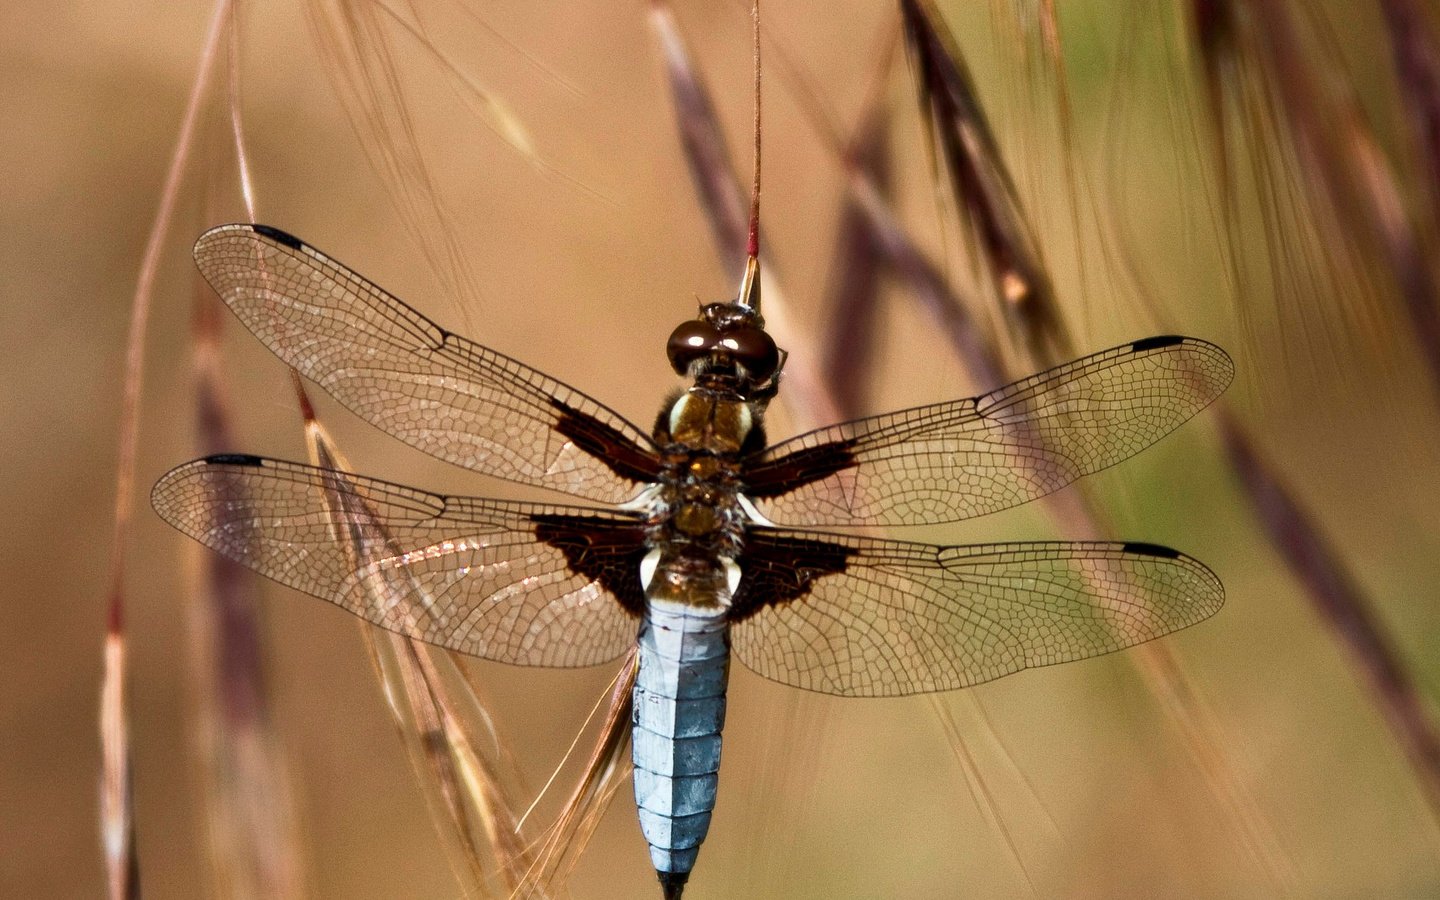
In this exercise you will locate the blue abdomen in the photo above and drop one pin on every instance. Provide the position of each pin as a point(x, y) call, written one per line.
point(679, 711)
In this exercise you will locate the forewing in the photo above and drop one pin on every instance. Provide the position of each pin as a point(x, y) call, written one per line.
point(521, 583)
point(966, 458)
point(435, 390)
point(869, 618)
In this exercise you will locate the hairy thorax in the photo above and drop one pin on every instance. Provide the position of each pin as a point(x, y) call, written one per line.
point(696, 510)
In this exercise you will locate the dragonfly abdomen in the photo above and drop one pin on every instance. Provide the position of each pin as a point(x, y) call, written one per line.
point(679, 711)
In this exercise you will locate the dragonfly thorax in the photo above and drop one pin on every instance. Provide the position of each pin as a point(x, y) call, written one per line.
point(704, 436)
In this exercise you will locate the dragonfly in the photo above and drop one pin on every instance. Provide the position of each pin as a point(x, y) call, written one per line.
point(699, 539)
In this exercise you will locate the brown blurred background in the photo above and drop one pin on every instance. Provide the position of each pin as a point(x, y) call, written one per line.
point(581, 271)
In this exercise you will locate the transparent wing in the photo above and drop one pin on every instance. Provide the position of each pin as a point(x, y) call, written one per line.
point(870, 618)
point(434, 390)
point(520, 583)
point(966, 458)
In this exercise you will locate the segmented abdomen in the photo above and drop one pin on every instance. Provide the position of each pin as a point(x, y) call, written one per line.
point(679, 711)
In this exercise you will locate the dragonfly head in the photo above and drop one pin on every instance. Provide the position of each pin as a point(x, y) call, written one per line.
point(726, 348)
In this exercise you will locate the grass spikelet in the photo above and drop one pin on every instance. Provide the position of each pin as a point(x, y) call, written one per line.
point(981, 183)
point(606, 770)
point(466, 789)
point(959, 127)
point(1257, 51)
point(250, 809)
point(1335, 185)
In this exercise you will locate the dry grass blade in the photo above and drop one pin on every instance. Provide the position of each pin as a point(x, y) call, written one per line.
point(1345, 609)
point(981, 182)
point(250, 811)
point(605, 772)
point(465, 786)
point(117, 824)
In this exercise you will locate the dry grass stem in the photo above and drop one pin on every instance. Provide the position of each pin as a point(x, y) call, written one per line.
point(117, 823)
point(724, 203)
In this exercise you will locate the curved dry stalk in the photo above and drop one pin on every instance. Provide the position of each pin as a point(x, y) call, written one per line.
point(436, 711)
point(117, 821)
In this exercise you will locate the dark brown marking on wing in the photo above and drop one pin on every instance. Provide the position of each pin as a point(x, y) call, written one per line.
point(283, 238)
point(1156, 342)
point(780, 569)
point(602, 549)
point(623, 456)
point(1142, 548)
point(776, 476)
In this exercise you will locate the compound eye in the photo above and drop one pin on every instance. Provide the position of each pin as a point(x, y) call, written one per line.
point(753, 349)
point(690, 341)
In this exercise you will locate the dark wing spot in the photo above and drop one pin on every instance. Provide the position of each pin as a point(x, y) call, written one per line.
point(778, 569)
point(234, 459)
point(1140, 548)
point(603, 549)
point(623, 456)
point(279, 237)
point(773, 477)
point(1156, 342)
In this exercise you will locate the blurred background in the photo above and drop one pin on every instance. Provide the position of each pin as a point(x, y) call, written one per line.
point(548, 213)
